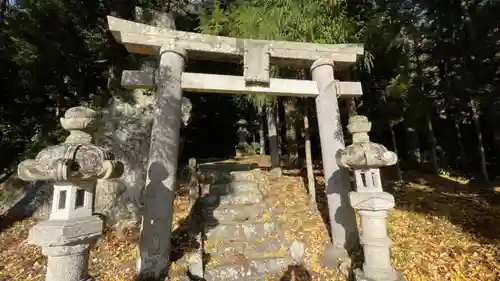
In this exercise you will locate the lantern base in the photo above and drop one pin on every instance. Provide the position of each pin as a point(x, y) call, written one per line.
point(360, 276)
point(50, 233)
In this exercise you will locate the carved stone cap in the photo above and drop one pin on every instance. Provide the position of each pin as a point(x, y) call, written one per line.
point(76, 159)
point(362, 153)
point(242, 122)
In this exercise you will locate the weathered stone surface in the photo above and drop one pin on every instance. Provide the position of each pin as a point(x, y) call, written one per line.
point(226, 273)
point(259, 229)
point(242, 231)
point(125, 129)
point(242, 239)
point(256, 63)
point(239, 213)
point(251, 269)
point(76, 159)
point(210, 177)
point(362, 153)
point(297, 252)
point(195, 264)
point(94, 162)
point(266, 266)
point(233, 188)
point(240, 176)
point(159, 193)
point(67, 263)
point(359, 276)
point(342, 217)
point(264, 247)
point(225, 248)
point(61, 232)
point(232, 199)
point(283, 53)
point(224, 232)
point(73, 167)
point(369, 199)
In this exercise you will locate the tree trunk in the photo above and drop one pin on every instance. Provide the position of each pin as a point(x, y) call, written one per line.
point(292, 148)
point(261, 132)
point(470, 62)
point(433, 144)
point(480, 145)
point(395, 145)
point(493, 117)
point(414, 147)
point(3, 9)
point(453, 111)
point(277, 109)
point(309, 165)
point(456, 125)
point(432, 138)
point(273, 139)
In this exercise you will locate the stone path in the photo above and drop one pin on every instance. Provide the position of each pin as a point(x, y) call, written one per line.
point(242, 240)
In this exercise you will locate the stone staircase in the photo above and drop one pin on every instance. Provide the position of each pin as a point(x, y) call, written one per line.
point(241, 239)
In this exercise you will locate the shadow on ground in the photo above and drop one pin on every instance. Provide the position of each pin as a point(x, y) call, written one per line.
point(470, 206)
point(473, 208)
point(32, 197)
point(296, 272)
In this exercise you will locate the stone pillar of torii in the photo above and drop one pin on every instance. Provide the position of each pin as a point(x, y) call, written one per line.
point(174, 48)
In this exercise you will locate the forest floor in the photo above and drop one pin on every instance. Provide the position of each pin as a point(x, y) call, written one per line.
point(441, 230)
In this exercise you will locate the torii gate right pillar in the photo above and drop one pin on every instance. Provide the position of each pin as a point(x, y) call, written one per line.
point(342, 217)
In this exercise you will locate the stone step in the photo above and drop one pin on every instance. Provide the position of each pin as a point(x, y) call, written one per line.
point(266, 247)
point(255, 176)
point(235, 213)
point(245, 269)
point(231, 188)
point(242, 176)
point(213, 177)
point(247, 230)
point(231, 199)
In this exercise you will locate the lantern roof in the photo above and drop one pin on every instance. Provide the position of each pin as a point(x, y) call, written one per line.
point(76, 159)
point(362, 153)
point(242, 122)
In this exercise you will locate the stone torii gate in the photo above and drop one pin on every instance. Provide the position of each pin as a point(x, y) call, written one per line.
point(174, 48)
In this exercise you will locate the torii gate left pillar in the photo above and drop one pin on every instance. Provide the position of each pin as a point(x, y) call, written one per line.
point(159, 193)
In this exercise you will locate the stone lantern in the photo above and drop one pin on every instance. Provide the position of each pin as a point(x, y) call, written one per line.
point(74, 167)
point(242, 134)
point(369, 200)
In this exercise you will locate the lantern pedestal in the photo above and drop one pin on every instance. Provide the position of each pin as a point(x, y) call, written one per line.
point(359, 276)
point(66, 243)
point(74, 167)
point(373, 208)
point(369, 200)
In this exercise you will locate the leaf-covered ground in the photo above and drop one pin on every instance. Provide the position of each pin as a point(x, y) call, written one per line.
point(441, 230)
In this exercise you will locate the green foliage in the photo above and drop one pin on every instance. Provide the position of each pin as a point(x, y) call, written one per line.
point(424, 60)
point(305, 21)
